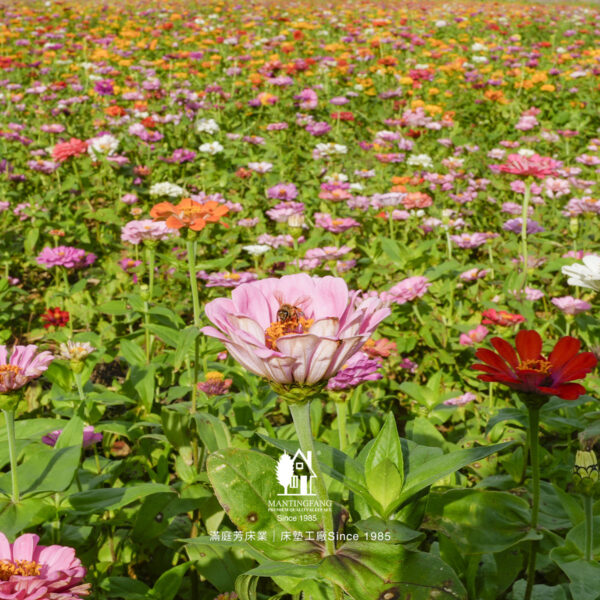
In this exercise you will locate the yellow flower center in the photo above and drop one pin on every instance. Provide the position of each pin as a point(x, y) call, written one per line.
point(538, 365)
point(214, 376)
point(292, 326)
point(8, 372)
point(233, 276)
point(22, 568)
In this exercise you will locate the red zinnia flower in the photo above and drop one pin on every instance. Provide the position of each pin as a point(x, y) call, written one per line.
point(500, 317)
point(55, 316)
point(527, 370)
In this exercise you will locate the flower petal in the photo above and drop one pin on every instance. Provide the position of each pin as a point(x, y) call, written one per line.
point(529, 344)
point(506, 351)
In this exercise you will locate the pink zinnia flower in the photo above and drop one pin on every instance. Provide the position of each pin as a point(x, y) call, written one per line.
point(24, 365)
point(294, 330)
point(466, 398)
point(64, 150)
point(535, 166)
point(470, 240)
point(474, 336)
point(227, 279)
point(90, 437)
point(32, 572)
point(407, 290)
point(135, 232)
point(325, 221)
point(283, 191)
point(65, 256)
point(284, 210)
point(570, 305)
point(360, 368)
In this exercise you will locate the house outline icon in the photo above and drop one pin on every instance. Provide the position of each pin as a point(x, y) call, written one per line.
point(300, 476)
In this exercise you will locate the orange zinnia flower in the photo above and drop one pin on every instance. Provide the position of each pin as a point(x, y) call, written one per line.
point(189, 213)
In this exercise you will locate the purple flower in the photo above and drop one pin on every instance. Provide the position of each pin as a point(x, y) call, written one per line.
point(104, 87)
point(339, 100)
point(284, 210)
point(43, 166)
point(182, 155)
point(307, 99)
point(514, 225)
point(358, 369)
point(90, 437)
point(318, 128)
point(283, 191)
point(65, 256)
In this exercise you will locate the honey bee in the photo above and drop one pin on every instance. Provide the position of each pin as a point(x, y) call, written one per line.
point(290, 312)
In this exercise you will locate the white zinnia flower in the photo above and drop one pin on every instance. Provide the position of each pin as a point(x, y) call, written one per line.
point(211, 148)
point(256, 249)
point(420, 160)
point(585, 275)
point(75, 350)
point(166, 189)
point(260, 167)
point(207, 126)
point(105, 145)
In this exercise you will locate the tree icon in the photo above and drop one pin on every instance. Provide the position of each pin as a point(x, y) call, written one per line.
point(285, 471)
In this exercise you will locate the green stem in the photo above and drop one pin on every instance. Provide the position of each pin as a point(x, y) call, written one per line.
point(9, 416)
point(301, 416)
point(588, 505)
point(150, 259)
point(524, 216)
point(79, 387)
point(191, 256)
point(342, 412)
point(534, 426)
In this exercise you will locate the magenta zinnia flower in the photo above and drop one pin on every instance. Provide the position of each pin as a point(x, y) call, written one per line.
point(65, 256)
point(294, 330)
point(32, 572)
point(24, 365)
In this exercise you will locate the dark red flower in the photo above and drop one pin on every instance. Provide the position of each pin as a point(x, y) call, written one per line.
point(491, 316)
point(527, 370)
point(55, 316)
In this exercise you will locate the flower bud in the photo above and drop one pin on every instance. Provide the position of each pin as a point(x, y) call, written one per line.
point(585, 473)
point(574, 226)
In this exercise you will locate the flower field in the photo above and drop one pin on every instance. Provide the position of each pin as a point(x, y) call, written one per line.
point(299, 300)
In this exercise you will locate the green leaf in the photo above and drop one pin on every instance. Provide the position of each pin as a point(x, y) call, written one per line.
point(125, 588)
point(479, 521)
point(60, 374)
point(221, 565)
point(276, 569)
point(168, 584)
point(166, 334)
point(212, 431)
point(99, 500)
point(438, 467)
point(384, 466)
point(132, 353)
point(14, 518)
point(185, 345)
point(117, 308)
point(72, 434)
point(50, 470)
point(373, 570)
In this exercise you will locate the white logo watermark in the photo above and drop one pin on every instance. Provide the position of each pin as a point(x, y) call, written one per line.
point(295, 474)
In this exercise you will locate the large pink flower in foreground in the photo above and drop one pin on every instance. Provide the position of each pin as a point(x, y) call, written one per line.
point(294, 330)
point(24, 365)
point(32, 572)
